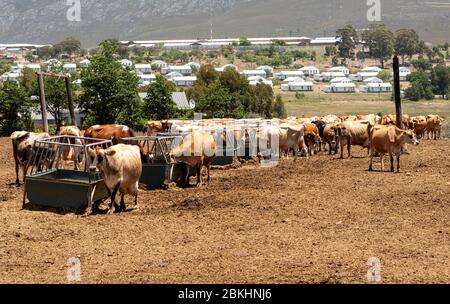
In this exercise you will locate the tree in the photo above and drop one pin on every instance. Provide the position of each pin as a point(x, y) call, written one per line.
point(263, 101)
point(109, 90)
point(207, 75)
point(385, 76)
point(279, 110)
point(330, 51)
point(407, 43)
point(243, 41)
point(15, 109)
point(69, 45)
point(159, 104)
point(421, 87)
point(29, 80)
point(217, 102)
point(380, 41)
point(278, 42)
point(440, 80)
point(422, 64)
point(347, 40)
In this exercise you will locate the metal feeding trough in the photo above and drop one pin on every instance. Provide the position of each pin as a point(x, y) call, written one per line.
point(158, 170)
point(53, 182)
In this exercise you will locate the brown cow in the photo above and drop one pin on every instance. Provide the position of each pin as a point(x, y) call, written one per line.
point(353, 133)
point(22, 142)
point(311, 138)
point(330, 137)
point(434, 126)
point(197, 150)
point(109, 132)
point(121, 168)
point(420, 126)
point(390, 140)
point(392, 120)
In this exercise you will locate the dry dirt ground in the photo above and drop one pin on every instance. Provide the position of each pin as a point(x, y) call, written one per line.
point(316, 221)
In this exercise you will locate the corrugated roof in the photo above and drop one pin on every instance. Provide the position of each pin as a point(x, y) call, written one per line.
point(180, 99)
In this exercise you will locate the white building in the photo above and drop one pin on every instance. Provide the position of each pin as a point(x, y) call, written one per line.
point(404, 73)
point(254, 80)
point(293, 79)
point(184, 81)
point(126, 63)
point(227, 66)
point(160, 64)
point(327, 76)
point(310, 71)
point(84, 63)
point(377, 88)
point(171, 75)
point(10, 76)
point(266, 68)
point(146, 79)
point(341, 80)
point(34, 66)
point(373, 80)
point(286, 74)
point(298, 86)
point(143, 68)
point(252, 73)
point(70, 67)
point(340, 88)
point(372, 69)
point(362, 76)
point(185, 70)
point(341, 69)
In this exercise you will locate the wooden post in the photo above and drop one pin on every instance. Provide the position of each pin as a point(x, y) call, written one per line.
point(42, 101)
point(70, 102)
point(397, 93)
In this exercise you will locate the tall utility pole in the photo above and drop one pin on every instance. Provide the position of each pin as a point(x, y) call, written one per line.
point(42, 101)
point(397, 93)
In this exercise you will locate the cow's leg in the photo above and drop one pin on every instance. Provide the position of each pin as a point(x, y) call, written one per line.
point(342, 150)
point(199, 176)
point(371, 162)
point(382, 162)
point(186, 179)
point(329, 145)
point(208, 168)
point(123, 208)
point(392, 162)
point(113, 199)
point(349, 149)
point(17, 173)
point(24, 171)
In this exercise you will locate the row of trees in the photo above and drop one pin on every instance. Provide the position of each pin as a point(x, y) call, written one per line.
point(381, 43)
point(428, 82)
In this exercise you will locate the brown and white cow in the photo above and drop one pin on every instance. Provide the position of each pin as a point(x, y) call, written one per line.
point(434, 126)
point(353, 133)
point(390, 140)
point(121, 169)
point(109, 132)
point(68, 153)
point(292, 138)
point(197, 150)
point(22, 142)
point(330, 138)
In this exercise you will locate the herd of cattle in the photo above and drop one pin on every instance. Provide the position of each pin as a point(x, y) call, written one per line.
point(121, 164)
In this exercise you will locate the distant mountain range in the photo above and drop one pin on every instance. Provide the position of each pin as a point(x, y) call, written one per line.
point(44, 21)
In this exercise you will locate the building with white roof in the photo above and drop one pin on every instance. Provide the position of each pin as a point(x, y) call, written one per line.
point(327, 76)
point(298, 86)
point(143, 68)
point(70, 67)
point(255, 80)
point(404, 73)
point(373, 80)
point(252, 73)
point(286, 74)
point(341, 80)
point(226, 66)
point(340, 88)
point(184, 81)
point(361, 76)
point(160, 64)
point(84, 63)
point(310, 71)
point(126, 63)
point(372, 69)
point(146, 79)
point(185, 70)
point(34, 66)
point(293, 79)
point(341, 69)
point(377, 88)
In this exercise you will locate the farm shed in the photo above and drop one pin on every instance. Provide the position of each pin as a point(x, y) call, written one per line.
point(310, 71)
point(298, 86)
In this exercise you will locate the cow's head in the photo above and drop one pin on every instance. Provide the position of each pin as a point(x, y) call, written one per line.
point(411, 138)
point(99, 158)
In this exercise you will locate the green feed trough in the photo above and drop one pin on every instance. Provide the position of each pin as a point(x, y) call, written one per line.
point(53, 180)
point(157, 168)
